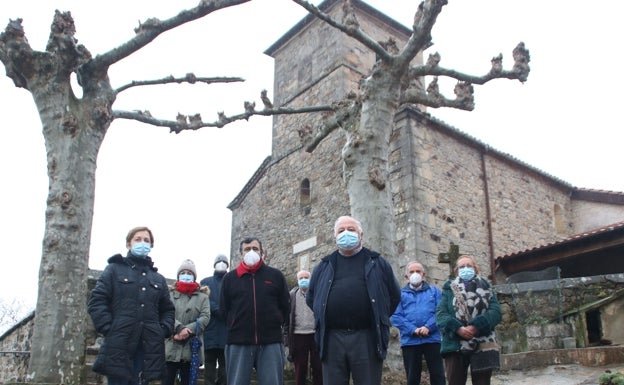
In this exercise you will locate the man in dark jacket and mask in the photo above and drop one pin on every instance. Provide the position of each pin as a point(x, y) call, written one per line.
point(130, 305)
point(214, 334)
point(353, 292)
point(254, 301)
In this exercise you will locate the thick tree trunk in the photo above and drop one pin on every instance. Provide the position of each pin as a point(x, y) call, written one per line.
point(366, 163)
point(72, 144)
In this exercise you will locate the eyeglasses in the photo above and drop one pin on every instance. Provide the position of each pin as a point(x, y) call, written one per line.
point(249, 248)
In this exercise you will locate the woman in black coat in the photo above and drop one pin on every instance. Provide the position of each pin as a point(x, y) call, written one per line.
point(131, 307)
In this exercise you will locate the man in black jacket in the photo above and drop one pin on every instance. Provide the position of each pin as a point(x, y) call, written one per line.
point(353, 292)
point(255, 305)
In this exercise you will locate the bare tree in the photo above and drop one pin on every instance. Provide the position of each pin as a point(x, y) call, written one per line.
point(367, 118)
point(74, 129)
point(11, 313)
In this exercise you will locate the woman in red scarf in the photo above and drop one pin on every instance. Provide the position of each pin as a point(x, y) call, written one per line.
point(192, 304)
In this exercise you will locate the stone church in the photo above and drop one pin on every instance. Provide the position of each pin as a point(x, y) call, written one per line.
point(452, 193)
point(450, 190)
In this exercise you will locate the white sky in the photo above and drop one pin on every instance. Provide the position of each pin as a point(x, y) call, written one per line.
point(564, 120)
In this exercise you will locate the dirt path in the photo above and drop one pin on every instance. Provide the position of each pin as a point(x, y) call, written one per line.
point(554, 375)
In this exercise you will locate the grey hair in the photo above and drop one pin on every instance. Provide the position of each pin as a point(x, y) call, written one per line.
point(411, 263)
point(358, 223)
point(303, 271)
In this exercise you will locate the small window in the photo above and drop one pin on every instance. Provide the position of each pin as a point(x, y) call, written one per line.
point(304, 196)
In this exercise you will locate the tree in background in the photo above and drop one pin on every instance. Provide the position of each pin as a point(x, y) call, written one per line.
point(11, 313)
point(74, 129)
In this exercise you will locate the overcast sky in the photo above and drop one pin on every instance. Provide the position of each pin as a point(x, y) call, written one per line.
point(564, 120)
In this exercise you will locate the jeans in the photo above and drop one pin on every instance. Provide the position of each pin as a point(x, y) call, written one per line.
point(268, 360)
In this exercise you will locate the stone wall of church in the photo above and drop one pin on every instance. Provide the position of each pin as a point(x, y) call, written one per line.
point(591, 215)
point(441, 197)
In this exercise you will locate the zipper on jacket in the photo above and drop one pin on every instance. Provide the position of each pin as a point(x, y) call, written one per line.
point(253, 286)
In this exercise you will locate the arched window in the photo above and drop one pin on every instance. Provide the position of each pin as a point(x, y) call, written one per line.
point(304, 196)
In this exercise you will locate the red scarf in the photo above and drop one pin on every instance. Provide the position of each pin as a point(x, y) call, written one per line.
point(187, 287)
point(243, 268)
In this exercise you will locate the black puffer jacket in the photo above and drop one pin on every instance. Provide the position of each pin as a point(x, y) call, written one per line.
point(130, 303)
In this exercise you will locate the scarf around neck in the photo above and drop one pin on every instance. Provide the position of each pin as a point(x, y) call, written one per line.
point(244, 269)
point(187, 288)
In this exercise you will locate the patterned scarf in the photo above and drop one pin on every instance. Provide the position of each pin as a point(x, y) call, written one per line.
point(472, 298)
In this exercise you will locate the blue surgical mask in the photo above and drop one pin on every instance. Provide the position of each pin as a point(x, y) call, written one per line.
point(140, 249)
point(304, 283)
point(466, 273)
point(186, 278)
point(347, 240)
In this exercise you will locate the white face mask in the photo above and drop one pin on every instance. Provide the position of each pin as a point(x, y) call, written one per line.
point(221, 266)
point(415, 279)
point(251, 258)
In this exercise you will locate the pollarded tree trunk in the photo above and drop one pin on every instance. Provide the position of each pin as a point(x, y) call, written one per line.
point(73, 130)
point(72, 140)
point(365, 158)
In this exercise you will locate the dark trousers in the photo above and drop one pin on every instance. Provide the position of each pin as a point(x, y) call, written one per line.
point(456, 365)
point(351, 353)
point(137, 368)
point(173, 368)
point(412, 361)
point(214, 375)
point(306, 351)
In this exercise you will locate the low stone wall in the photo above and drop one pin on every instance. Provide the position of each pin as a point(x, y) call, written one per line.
point(595, 356)
point(536, 315)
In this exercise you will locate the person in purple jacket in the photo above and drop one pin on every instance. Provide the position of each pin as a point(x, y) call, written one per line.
point(415, 319)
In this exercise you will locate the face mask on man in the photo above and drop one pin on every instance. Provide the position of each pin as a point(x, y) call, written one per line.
point(415, 279)
point(140, 249)
point(188, 278)
point(466, 273)
point(347, 240)
point(221, 266)
point(251, 258)
point(304, 283)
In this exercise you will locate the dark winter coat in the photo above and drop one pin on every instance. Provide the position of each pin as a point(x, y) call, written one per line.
point(255, 306)
point(214, 334)
point(130, 304)
point(384, 294)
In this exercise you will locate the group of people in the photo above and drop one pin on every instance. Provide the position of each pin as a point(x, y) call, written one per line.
point(336, 321)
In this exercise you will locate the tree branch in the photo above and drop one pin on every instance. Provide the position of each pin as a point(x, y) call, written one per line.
point(152, 28)
point(463, 90)
point(424, 20)
point(194, 122)
point(345, 116)
point(188, 78)
point(349, 25)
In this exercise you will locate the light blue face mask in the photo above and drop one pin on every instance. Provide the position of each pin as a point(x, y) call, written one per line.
point(304, 283)
point(188, 278)
point(466, 273)
point(141, 249)
point(347, 240)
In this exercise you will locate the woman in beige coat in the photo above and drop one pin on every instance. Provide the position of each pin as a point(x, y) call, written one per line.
point(192, 314)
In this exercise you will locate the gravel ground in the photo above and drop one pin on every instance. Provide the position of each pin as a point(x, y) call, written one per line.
point(554, 375)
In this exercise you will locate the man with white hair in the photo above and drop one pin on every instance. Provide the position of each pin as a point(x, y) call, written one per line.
point(353, 292)
point(300, 334)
